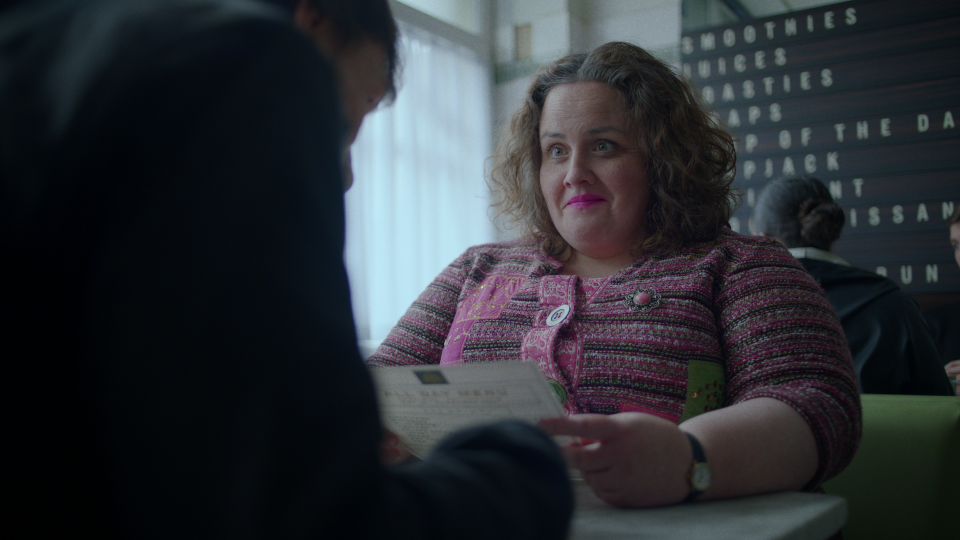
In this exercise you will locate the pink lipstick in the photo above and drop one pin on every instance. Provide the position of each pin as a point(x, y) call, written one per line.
point(584, 201)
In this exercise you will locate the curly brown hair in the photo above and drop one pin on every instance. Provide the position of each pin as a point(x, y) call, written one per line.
point(690, 158)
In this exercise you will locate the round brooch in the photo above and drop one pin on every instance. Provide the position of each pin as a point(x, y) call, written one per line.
point(643, 300)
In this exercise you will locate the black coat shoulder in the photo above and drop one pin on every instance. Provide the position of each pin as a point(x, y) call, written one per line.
point(891, 346)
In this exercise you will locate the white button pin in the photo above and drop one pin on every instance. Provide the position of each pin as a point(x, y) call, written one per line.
point(558, 315)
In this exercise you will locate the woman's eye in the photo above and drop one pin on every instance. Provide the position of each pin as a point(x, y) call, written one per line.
point(604, 146)
point(556, 151)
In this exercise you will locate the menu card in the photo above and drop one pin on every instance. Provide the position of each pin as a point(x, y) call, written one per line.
point(424, 404)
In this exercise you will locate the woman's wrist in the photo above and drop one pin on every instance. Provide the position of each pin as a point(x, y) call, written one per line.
point(700, 475)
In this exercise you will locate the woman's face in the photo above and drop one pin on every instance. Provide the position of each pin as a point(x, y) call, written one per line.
point(592, 173)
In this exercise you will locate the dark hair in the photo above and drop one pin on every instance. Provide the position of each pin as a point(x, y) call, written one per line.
point(357, 20)
point(690, 158)
point(799, 211)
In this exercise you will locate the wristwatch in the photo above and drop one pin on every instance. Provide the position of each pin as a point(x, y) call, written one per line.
point(700, 475)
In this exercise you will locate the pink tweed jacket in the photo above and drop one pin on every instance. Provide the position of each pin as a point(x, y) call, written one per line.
point(672, 335)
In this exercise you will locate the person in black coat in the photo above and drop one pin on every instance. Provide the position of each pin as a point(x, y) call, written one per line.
point(891, 346)
point(179, 353)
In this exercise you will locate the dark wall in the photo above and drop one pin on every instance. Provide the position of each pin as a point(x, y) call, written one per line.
point(863, 95)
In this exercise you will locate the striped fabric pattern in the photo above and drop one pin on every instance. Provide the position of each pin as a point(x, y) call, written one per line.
point(742, 305)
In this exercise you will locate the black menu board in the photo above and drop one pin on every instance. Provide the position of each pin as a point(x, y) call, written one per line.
point(864, 96)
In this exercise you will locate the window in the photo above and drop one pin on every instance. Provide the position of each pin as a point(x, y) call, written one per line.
point(419, 198)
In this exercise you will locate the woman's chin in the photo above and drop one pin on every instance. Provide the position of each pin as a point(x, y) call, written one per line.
point(598, 250)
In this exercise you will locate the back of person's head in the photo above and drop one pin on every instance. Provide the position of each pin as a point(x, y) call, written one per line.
point(798, 211)
point(358, 20)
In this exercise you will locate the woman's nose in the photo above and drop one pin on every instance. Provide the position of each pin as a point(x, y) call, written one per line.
point(579, 171)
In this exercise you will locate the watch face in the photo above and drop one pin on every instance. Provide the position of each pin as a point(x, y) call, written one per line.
point(701, 477)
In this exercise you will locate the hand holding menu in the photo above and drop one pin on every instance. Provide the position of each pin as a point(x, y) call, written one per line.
point(424, 404)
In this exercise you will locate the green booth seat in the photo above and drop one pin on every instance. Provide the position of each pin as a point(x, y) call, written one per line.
point(904, 482)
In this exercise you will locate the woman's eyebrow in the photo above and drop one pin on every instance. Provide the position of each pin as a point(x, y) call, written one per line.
point(592, 131)
point(603, 129)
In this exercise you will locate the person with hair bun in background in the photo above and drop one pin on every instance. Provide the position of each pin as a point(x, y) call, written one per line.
point(944, 320)
point(892, 349)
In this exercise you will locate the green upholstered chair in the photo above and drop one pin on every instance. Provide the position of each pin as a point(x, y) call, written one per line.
point(904, 481)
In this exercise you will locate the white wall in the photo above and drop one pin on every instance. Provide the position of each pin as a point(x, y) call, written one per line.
point(652, 24)
point(562, 27)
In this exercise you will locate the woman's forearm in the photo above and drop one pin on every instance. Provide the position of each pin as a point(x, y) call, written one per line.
point(756, 446)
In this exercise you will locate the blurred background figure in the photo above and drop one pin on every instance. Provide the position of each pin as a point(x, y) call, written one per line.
point(944, 321)
point(892, 349)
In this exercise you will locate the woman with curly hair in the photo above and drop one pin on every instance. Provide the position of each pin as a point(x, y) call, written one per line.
point(692, 361)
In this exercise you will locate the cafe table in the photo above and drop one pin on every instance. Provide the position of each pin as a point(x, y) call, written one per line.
point(775, 516)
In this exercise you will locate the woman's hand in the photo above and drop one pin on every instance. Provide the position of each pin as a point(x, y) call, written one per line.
point(628, 459)
point(633, 459)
